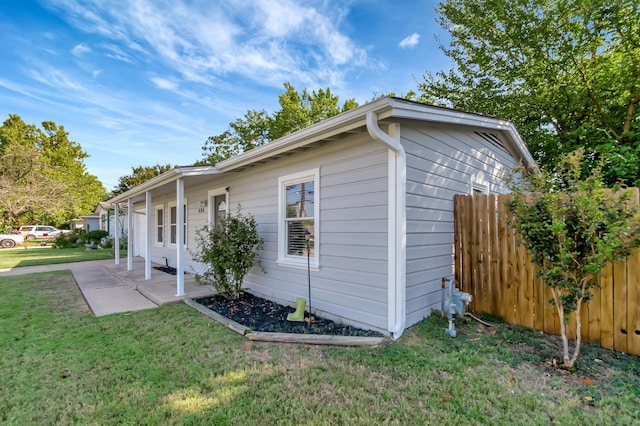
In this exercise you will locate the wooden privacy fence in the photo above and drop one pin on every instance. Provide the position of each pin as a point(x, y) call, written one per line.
point(498, 273)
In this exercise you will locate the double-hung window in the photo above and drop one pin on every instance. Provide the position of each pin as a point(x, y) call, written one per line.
point(298, 224)
point(173, 223)
point(159, 217)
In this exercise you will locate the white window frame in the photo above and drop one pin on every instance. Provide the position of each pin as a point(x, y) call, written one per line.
point(283, 258)
point(156, 209)
point(186, 227)
point(210, 197)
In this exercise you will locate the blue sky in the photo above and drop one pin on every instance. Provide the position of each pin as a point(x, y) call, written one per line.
point(140, 82)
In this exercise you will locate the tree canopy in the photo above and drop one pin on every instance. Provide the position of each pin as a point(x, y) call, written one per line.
point(43, 177)
point(257, 127)
point(567, 73)
point(138, 176)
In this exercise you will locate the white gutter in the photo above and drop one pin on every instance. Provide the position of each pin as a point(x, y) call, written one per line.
point(384, 108)
point(397, 229)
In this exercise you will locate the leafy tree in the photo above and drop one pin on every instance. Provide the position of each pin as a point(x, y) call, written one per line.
point(573, 226)
point(567, 73)
point(256, 128)
point(138, 176)
point(228, 251)
point(43, 177)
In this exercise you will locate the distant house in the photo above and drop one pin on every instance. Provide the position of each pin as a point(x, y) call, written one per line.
point(104, 218)
point(90, 222)
point(374, 186)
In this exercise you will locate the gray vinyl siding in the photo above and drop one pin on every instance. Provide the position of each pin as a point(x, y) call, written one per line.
point(351, 283)
point(441, 162)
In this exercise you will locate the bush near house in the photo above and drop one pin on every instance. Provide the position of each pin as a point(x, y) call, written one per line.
point(228, 251)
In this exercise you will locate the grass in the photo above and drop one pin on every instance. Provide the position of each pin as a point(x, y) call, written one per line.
point(170, 365)
point(35, 256)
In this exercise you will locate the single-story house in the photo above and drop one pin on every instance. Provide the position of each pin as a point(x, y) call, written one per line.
point(90, 222)
point(103, 218)
point(374, 186)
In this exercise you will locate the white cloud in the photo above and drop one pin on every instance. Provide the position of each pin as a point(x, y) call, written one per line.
point(264, 41)
point(410, 41)
point(115, 52)
point(80, 50)
point(163, 83)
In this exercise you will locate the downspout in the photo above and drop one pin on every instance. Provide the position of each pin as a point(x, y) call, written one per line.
point(397, 240)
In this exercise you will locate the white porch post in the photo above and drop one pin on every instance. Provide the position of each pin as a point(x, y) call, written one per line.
point(116, 234)
point(130, 242)
point(180, 236)
point(149, 222)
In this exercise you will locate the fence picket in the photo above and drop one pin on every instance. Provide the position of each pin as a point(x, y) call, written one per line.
point(633, 294)
point(606, 307)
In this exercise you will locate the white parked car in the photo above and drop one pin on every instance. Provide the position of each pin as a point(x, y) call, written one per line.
point(10, 240)
point(36, 232)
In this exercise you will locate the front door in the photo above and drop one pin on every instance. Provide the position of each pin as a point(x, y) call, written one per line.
point(219, 203)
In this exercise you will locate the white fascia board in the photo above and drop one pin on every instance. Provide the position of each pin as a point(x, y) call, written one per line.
point(408, 110)
point(331, 126)
point(384, 108)
point(163, 179)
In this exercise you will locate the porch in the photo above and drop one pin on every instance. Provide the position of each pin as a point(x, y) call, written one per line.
point(161, 287)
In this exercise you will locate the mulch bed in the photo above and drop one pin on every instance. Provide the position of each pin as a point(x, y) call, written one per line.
point(263, 315)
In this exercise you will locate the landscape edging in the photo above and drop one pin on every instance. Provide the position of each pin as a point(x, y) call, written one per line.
point(313, 339)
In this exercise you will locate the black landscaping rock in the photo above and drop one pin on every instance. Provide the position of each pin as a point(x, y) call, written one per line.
point(260, 314)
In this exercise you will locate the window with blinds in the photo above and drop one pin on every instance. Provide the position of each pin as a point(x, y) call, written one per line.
point(298, 219)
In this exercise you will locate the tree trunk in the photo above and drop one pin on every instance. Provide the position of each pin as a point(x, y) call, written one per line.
point(563, 327)
point(576, 349)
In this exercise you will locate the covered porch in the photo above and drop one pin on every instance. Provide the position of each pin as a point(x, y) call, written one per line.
point(160, 287)
point(140, 230)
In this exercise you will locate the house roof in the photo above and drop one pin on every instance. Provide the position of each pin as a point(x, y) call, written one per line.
point(386, 108)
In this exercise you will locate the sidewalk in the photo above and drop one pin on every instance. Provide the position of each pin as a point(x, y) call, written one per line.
point(110, 288)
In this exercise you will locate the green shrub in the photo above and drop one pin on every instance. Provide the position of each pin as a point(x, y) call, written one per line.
point(228, 252)
point(573, 226)
point(65, 241)
point(96, 235)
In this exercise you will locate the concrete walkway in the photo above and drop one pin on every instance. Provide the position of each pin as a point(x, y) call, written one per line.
point(110, 288)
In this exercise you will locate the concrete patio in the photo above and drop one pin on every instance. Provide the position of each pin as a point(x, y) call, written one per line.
point(109, 288)
point(161, 288)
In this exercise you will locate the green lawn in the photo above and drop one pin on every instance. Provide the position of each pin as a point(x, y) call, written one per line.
point(61, 365)
point(47, 256)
